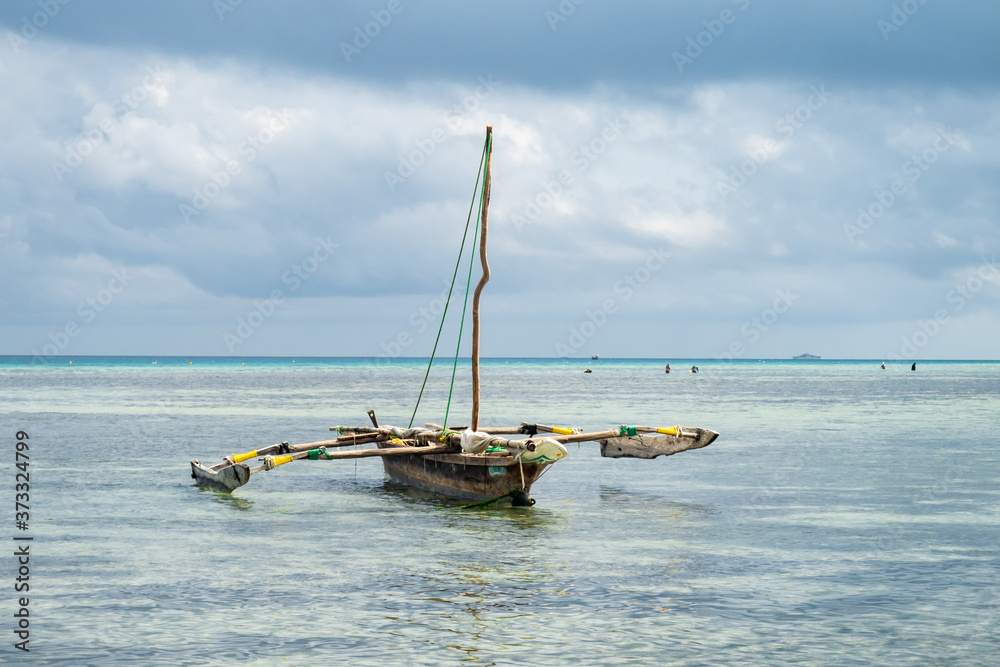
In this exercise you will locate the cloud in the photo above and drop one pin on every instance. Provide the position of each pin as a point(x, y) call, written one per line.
point(217, 182)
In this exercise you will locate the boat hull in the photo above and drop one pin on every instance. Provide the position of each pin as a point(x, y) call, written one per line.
point(651, 445)
point(476, 477)
point(227, 478)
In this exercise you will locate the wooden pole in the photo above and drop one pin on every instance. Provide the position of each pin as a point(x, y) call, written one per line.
point(342, 441)
point(388, 451)
point(511, 430)
point(482, 281)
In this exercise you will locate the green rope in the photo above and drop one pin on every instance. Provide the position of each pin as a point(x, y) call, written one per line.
point(314, 454)
point(468, 284)
point(454, 275)
point(461, 325)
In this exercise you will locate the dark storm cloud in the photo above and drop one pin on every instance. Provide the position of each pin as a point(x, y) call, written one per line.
point(552, 44)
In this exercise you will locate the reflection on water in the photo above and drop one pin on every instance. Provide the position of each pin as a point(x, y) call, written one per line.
point(516, 523)
point(224, 498)
point(396, 492)
point(626, 498)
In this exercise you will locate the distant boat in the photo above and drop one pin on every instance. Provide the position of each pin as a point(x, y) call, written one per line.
point(594, 357)
point(807, 356)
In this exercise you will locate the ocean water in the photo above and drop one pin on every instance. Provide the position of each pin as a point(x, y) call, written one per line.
point(846, 516)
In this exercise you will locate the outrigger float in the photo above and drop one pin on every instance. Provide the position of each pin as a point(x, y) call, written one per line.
point(472, 463)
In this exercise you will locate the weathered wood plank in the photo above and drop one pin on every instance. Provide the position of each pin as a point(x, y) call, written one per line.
point(388, 451)
point(458, 480)
point(649, 446)
point(225, 479)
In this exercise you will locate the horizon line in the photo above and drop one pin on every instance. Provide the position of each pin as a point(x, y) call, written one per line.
point(402, 358)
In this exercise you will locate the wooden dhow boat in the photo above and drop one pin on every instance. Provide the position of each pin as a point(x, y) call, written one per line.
point(472, 463)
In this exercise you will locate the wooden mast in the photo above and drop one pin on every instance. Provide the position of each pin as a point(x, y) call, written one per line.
point(474, 424)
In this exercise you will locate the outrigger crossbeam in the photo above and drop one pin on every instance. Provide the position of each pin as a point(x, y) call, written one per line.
point(622, 442)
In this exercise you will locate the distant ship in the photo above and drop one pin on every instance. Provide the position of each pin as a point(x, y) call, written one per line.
point(807, 356)
point(594, 357)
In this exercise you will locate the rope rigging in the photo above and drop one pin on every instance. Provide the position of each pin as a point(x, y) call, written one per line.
point(484, 159)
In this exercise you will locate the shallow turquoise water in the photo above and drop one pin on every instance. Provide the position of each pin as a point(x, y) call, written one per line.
point(847, 515)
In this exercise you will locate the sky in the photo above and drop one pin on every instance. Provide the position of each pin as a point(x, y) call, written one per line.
point(724, 179)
